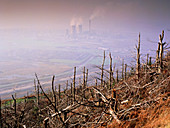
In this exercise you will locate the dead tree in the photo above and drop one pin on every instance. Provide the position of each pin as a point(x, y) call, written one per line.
point(15, 105)
point(157, 54)
point(111, 72)
point(115, 105)
point(138, 59)
point(49, 101)
point(150, 61)
point(114, 66)
point(158, 50)
point(147, 58)
point(15, 111)
point(86, 77)
point(147, 63)
point(96, 82)
point(37, 89)
point(84, 81)
point(74, 84)
point(45, 123)
point(122, 69)
point(59, 93)
point(102, 69)
point(71, 92)
point(54, 94)
point(161, 51)
point(125, 74)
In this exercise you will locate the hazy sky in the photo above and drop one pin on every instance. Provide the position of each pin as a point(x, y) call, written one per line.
point(105, 14)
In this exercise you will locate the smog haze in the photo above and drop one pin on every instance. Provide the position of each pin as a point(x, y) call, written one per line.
point(50, 37)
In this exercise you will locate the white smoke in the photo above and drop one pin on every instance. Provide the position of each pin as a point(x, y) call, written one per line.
point(98, 12)
point(76, 21)
point(79, 21)
point(73, 21)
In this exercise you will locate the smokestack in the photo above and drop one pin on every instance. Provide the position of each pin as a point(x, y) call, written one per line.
point(73, 29)
point(80, 29)
point(89, 25)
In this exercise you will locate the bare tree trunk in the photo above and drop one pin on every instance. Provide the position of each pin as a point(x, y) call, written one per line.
point(54, 94)
point(71, 92)
point(96, 82)
point(15, 110)
point(115, 107)
point(67, 85)
point(111, 72)
point(38, 95)
point(147, 59)
point(150, 61)
point(59, 93)
point(122, 69)
point(102, 69)
point(138, 59)
point(65, 118)
point(74, 82)
point(161, 51)
point(125, 76)
point(45, 123)
point(147, 63)
point(84, 82)
point(35, 88)
point(157, 56)
point(38, 89)
point(86, 77)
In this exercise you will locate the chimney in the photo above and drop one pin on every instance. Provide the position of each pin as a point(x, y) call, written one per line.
point(80, 29)
point(73, 29)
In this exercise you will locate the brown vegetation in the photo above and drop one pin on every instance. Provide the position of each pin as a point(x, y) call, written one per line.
point(130, 102)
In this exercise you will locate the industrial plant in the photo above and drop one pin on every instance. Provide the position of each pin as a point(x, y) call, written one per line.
point(76, 31)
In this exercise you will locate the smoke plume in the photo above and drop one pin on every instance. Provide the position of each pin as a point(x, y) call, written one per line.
point(76, 21)
point(98, 12)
